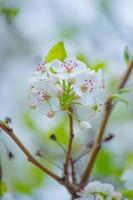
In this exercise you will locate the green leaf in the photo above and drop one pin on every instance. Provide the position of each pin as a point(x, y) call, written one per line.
point(118, 97)
point(56, 52)
point(124, 90)
point(126, 55)
point(98, 66)
point(3, 188)
point(127, 194)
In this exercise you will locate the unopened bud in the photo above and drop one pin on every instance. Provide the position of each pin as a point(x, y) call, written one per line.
point(10, 155)
point(53, 137)
point(38, 153)
point(8, 120)
point(50, 114)
point(85, 124)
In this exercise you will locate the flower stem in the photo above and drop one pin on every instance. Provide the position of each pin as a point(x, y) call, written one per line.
point(69, 150)
point(97, 144)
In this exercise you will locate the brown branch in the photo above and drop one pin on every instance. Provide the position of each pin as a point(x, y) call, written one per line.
point(73, 171)
point(69, 150)
point(90, 145)
point(97, 144)
point(81, 155)
point(74, 175)
point(44, 157)
point(29, 156)
point(72, 189)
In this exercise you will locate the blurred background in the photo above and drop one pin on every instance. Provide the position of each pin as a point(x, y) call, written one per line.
point(97, 30)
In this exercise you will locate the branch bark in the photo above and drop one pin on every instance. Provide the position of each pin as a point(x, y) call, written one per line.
point(29, 156)
point(97, 145)
point(74, 174)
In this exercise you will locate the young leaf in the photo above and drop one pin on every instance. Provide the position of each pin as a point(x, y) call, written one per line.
point(124, 90)
point(126, 55)
point(118, 97)
point(56, 52)
point(98, 66)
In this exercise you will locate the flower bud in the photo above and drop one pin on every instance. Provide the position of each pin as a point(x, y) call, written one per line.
point(50, 114)
point(85, 124)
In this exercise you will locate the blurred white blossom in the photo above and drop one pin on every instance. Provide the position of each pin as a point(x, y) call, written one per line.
point(8, 196)
point(127, 177)
point(99, 191)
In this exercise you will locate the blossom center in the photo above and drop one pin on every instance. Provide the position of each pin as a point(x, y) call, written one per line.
point(70, 66)
point(41, 68)
point(43, 96)
point(87, 85)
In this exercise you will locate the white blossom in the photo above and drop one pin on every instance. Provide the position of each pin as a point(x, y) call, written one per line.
point(99, 191)
point(68, 69)
point(59, 86)
point(87, 86)
point(43, 95)
point(127, 177)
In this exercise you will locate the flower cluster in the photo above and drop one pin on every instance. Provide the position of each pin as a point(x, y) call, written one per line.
point(99, 191)
point(58, 86)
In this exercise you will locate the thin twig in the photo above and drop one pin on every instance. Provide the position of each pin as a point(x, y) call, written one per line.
point(97, 144)
point(74, 174)
point(69, 150)
point(73, 171)
point(81, 156)
point(89, 147)
point(29, 156)
point(38, 153)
